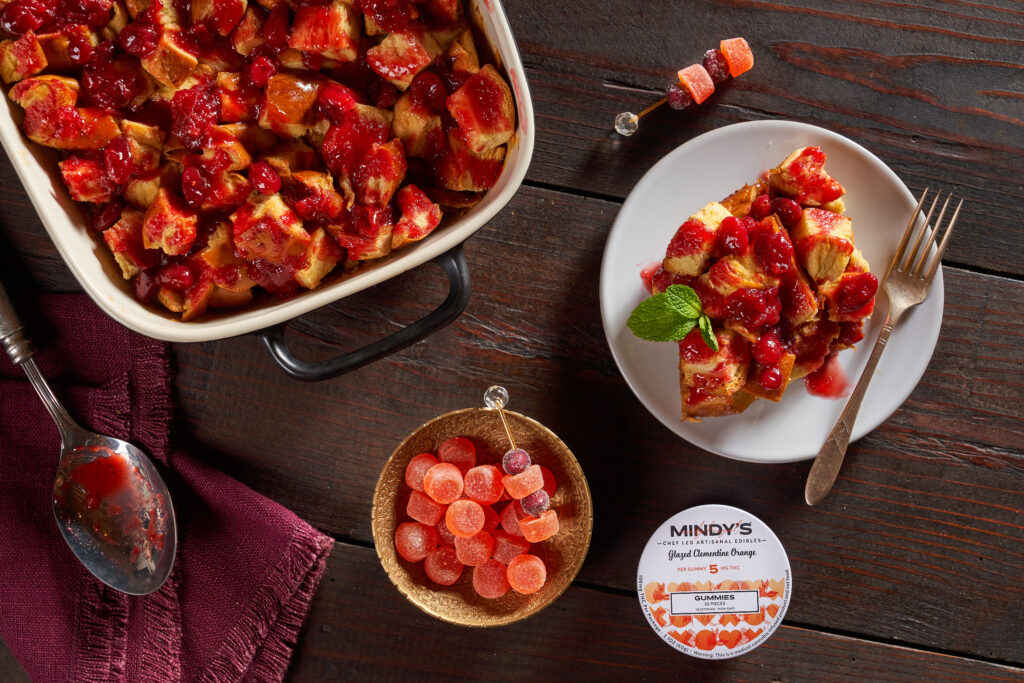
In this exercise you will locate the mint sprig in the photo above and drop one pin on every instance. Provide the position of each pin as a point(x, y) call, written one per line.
point(670, 316)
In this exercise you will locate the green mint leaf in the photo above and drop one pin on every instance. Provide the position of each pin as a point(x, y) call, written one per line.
point(655, 319)
point(684, 300)
point(708, 333)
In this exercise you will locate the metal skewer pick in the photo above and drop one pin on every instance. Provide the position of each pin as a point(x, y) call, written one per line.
point(496, 398)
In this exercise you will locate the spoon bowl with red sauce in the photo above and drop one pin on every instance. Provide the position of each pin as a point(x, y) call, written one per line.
point(111, 504)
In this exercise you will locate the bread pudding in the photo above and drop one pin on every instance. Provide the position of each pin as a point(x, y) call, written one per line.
point(778, 274)
point(224, 148)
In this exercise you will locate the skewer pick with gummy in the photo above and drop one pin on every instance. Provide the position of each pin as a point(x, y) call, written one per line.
point(696, 82)
point(515, 460)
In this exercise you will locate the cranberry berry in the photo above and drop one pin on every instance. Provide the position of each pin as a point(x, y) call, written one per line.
point(716, 66)
point(732, 236)
point(768, 350)
point(788, 211)
point(139, 38)
point(771, 378)
point(176, 276)
point(857, 292)
point(761, 207)
point(678, 97)
point(774, 253)
point(117, 158)
point(264, 178)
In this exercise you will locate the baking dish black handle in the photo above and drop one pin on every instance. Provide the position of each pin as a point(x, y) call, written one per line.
point(454, 264)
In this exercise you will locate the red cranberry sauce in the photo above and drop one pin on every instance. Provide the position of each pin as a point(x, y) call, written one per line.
point(691, 238)
point(828, 381)
point(813, 184)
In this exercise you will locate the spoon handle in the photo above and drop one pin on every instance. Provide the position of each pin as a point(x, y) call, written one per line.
point(13, 336)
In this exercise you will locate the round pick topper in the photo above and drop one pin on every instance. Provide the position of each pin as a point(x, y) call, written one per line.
point(714, 582)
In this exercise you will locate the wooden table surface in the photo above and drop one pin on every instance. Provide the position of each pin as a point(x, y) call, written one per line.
point(913, 568)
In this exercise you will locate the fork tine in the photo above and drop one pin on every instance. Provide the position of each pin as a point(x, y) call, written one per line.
point(906, 264)
point(932, 236)
point(943, 243)
point(911, 224)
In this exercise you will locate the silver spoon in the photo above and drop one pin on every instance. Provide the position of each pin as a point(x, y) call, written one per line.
point(111, 505)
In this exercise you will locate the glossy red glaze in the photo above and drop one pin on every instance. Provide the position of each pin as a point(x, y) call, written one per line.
point(691, 238)
point(828, 381)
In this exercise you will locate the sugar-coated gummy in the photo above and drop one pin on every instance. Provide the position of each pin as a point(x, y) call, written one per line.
point(444, 536)
point(697, 80)
point(507, 546)
point(483, 484)
point(459, 451)
point(523, 484)
point(491, 519)
point(527, 574)
point(443, 483)
point(737, 54)
point(550, 483)
point(490, 579)
point(475, 550)
point(465, 518)
point(537, 529)
point(423, 508)
point(418, 467)
point(414, 540)
point(510, 517)
point(442, 566)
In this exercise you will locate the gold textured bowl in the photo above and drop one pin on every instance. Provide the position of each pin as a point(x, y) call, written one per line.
point(562, 554)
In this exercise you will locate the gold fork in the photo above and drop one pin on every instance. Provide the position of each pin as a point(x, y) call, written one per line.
point(906, 284)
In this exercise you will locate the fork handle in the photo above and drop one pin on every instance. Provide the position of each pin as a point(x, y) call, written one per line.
point(830, 458)
point(13, 337)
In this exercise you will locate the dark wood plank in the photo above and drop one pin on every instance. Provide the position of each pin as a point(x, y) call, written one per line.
point(927, 508)
point(10, 670)
point(361, 628)
point(931, 88)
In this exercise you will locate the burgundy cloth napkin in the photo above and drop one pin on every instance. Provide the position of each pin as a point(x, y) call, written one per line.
point(246, 568)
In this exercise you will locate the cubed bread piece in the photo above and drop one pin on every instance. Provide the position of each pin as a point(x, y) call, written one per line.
point(823, 242)
point(289, 155)
point(463, 170)
point(419, 216)
point(50, 93)
point(70, 128)
point(708, 380)
point(124, 238)
point(331, 31)
point(145, 143)
point(289, 100)
point(690, 249)
point(169, 225)
point(803, 177)
point(443, 12)
point(313, 196)
point(248, 35)
point(222, 15)
point(753, 385)
point(462, 54)
point(237, 103)
point(170, 63)
point(367, 235)
point(418, 129)
point(321, 257)
point(484, 109)
point(56, 46)
point(226, 298)
point(21, 58)
point(400, 56)
point(141, 190)
point(380, 173)
point(86, 179)
point(197, 297)
point(227, 270)
point(269, 230)
point(732, 273)
point(347, 142)
point(738, 203)
point(851, 296)
point(811, 344)
point(119, 18)
point(254, 138)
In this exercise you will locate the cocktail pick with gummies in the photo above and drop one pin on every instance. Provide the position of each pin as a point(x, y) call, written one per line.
point(515, 460)
point(696, 82)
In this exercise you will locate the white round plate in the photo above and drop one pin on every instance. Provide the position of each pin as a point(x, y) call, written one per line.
point(708, 168)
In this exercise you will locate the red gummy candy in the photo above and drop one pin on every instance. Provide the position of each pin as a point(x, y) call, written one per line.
point(537, 529)
point(445, 536)
point(550, 483)
point(507, 546)
point(443, 566)
point(475, 550)
point(737, 55)
point(443, 483)
point(459, 451)
point(416, 468)
point(483, 484)
point(414, 540)
point(490, 579)
point(510, 517)
point(491, 519)
point(526, 482)
point(465, 518)
point(697, 80)
point(422, 508)
point(527, 574)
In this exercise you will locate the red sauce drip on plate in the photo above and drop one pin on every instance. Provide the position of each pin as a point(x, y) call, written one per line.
point(828, 381)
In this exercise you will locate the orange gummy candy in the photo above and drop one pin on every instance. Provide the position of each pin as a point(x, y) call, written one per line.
point(737, 55)
point(416, 468)
point(490, 579)
point(422, 508)
point(510, 517)
point(537, 529)
point(491, 519)
point(507, 546)
point(474, 550)
point(443, 483)
point(550, 483)
point(697, 80)
point(527, 574)
point(459, 451)
point(483, 484)
point(414, 540)
point(464, 518)
point(442, 566)
point(444, 536)
point(521, 485)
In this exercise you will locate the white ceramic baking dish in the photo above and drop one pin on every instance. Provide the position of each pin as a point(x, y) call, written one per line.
point(94, 267)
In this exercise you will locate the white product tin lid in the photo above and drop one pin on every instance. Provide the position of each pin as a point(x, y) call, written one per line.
point(714, 581)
